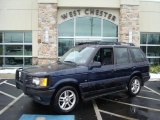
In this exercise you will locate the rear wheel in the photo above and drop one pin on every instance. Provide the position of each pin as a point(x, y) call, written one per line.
point(134, 86)
point(65, 99)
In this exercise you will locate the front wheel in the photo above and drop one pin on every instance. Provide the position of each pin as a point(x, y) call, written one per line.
point(134, 86)
point(65, 99)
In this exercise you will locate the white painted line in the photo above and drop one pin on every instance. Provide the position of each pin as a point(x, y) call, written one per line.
point(98, 115)
point(3, 82)
point(117, 115)
point(10, 84)
point(139, 106)
point(10, 104)
point(148, 98)
point(147, 91)
point(7, 95)
point(152, 90)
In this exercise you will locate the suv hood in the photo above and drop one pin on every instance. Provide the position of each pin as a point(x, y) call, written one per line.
point(50, 68)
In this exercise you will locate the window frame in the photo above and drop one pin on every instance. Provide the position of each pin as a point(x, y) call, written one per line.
point(23, 43)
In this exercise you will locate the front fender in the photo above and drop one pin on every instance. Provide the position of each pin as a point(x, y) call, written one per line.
point(64, 81)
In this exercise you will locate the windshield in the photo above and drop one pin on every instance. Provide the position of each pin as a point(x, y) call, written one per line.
point(79, 55)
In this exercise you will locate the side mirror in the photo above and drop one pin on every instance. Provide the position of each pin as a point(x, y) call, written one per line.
point(95, 65)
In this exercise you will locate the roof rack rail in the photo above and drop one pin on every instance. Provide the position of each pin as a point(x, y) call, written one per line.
point(106, 43)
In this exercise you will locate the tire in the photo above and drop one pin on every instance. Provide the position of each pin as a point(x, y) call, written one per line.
point(65, 100)
point(134, 86)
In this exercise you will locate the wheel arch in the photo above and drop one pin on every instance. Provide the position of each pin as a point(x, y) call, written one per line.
point(138, 74)
point(68, 82)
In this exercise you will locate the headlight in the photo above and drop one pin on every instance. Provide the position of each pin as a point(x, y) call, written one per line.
point(42, 82)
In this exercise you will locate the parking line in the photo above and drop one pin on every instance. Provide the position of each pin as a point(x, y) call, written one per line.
point(3, 82)
point(152, 90)
point(10, 104)
point(117, 115)
point(148, 98)
point(147, 91)
point(139, 106)
point(98, 115)
point(7, 95)
point(10, 84)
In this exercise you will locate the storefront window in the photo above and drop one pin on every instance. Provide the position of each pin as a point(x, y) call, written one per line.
point(154, 61)
point(28, 61)
point(1, 37)
point(88, 26)
point(13, 37)
point(1, 61)
point(66, 28)
point(28, 50)
point(150, 44)
point(153, 38)
point(153, 51)
point(85, 29)
point(143, 49)
point(28, 37)
point(16, 49)
point(64, 45)
point(143, 38)
point(13, 61)
point(109, 29)
point(13, 50)
point(1, 50)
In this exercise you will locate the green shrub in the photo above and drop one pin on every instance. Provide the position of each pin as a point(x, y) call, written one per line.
point(155, 69)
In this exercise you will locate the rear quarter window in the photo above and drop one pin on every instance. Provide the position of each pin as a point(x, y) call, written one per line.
point(137, 55)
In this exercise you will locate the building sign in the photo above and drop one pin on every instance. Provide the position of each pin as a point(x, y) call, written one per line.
point(88, 12)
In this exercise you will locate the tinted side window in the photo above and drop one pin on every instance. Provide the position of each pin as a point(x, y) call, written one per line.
point(105, 56)
point(122, 56)
point(137, 55)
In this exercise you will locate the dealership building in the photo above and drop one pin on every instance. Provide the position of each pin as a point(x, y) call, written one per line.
point(40, 31)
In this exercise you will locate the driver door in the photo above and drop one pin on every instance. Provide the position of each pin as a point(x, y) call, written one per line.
point(100, 78)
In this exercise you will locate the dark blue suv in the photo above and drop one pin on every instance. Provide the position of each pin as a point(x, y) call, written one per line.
point(85, 72)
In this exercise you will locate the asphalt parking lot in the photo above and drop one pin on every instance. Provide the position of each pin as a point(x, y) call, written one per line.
point(13, 104)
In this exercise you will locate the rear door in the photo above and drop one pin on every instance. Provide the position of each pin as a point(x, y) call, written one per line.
point(123, 67)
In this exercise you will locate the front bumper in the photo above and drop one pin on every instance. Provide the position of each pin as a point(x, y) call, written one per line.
point(40, 95)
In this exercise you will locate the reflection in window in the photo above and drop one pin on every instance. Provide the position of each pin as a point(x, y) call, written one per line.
point(64, 45)
point(14, 61)
point(66, 28)
point(28, 61)
point(13, 50)
point(88, 26)
point(13, 37)
point(28, 50)
point(153, 51)
point(28, 37)
point(153, 38)
point(109, 29)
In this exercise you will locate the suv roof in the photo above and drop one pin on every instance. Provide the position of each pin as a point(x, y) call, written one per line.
point(100, 43)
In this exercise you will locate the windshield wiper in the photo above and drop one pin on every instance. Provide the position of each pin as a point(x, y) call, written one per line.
point(71, 62)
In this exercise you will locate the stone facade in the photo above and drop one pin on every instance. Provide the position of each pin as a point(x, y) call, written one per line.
point(129, 22)
point(47, 35)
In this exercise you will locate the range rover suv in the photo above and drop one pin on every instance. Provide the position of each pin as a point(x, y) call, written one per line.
point(83, 73)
